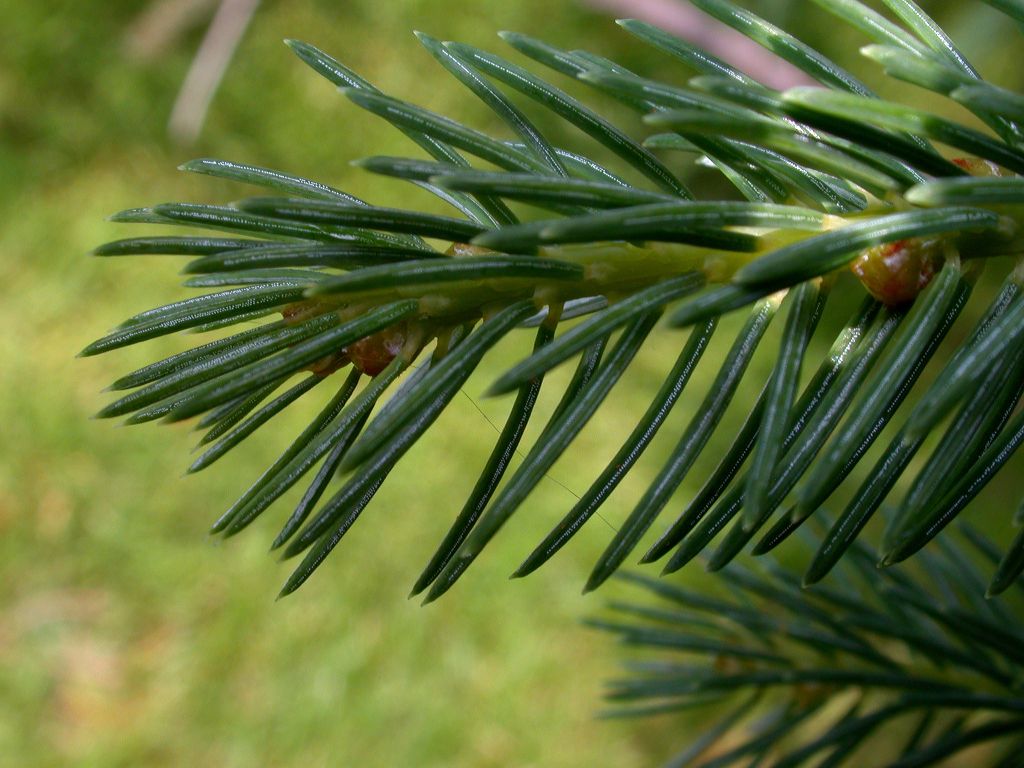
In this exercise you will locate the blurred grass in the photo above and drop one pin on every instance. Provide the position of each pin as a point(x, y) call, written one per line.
point(128, 637)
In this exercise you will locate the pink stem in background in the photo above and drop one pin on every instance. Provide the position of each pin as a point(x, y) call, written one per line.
point(212, 59)
point(725, 43)
point(162, 24)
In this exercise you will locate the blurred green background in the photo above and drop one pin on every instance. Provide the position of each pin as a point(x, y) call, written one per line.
point(127, 636)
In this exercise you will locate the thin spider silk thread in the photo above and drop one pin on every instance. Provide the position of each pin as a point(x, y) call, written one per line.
point(521, 456)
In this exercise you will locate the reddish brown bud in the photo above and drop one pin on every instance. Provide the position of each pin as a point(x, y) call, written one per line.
point(976, 166)
point(373, 354)
point(895, 273)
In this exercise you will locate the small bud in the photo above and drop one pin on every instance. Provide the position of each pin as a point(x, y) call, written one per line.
point(895, 273)
point(977, 166)
point(374, 353)
point(462, 250)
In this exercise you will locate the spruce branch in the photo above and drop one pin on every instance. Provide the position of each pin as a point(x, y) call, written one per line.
point(782, 675)
point(592, 252)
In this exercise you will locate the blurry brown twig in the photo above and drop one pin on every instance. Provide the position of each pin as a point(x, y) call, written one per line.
point(162, 25)
point(212, 59)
